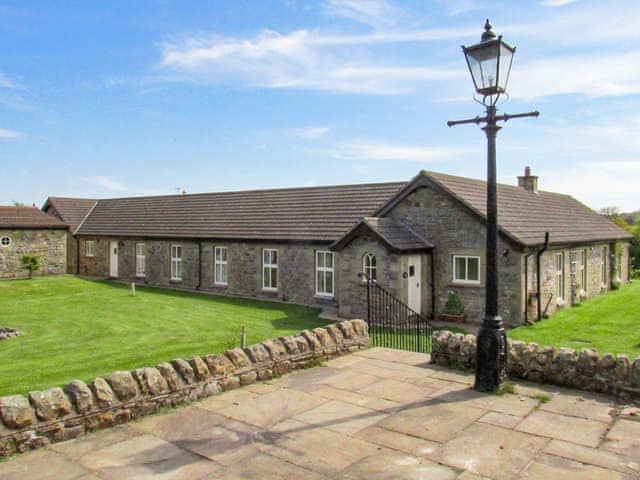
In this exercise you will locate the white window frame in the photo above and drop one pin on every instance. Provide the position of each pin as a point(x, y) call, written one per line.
point(220, 266)
point(560, 275)
point(269, 266)
point(582, 269)
point(370, 266)
point(618, 260)
point(176, 263)
point(7, 239)
point(323, 271)
point(89, 248)
point(604, 273)
point(141, 260)
point(466, 281)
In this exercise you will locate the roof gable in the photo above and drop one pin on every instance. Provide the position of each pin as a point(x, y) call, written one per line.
point(523, 216)
point(72, 211)
point(395, 236)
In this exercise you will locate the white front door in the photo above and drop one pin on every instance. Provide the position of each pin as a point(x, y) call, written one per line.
point(113, 259)
point(414, 277)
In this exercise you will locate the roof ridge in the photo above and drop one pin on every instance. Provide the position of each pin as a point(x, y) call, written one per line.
point(258, 190)
point(85, 217)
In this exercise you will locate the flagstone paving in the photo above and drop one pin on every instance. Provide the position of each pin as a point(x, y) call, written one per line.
point(376, 414)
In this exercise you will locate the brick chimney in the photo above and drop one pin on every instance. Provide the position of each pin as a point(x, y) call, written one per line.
point(527, 181)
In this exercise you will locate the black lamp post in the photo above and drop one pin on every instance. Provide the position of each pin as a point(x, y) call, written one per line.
point(490, 63)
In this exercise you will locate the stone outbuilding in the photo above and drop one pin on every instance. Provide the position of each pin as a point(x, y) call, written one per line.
point(72, 211)
point(419, 239)
point(29, 231)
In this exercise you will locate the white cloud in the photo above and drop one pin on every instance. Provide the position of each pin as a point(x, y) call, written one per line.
point(368, 150)
point(6, 82)
point(597, 75)
point(12, 134)
point(308, 133)
point(376, 13)
point(303, 59)
point(598, 184)
point(104, 182)
point(557, 3)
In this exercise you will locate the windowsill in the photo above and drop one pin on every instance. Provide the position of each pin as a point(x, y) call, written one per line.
point(466, 284)
point(324, 296)
point(220, 285)
point(270, 290)
point(141, 277)
point(176, 280)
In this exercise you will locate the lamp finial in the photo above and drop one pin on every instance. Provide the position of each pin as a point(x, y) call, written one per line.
point(488, 33)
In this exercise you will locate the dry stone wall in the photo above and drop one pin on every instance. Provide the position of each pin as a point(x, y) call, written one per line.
point(584, 370)
point(59, 414)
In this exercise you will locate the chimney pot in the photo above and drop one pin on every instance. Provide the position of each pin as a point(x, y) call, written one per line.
point(527, 181)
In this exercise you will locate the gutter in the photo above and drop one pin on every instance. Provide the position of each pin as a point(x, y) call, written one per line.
point(538, 255)
point(526, 286)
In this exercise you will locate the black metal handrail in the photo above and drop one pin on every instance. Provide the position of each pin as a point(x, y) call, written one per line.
point(392, 323)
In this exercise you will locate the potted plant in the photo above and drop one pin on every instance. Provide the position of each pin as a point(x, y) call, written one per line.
point(453, 309)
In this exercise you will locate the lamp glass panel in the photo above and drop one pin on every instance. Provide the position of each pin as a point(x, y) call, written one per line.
point(483, 63)
point(506, 57)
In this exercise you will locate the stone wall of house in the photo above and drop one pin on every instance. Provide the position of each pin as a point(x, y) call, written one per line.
point(574, 291)
point(60, 414)
point(50, 244)
point(584, 370)
point(454, 230)
point(296, 267)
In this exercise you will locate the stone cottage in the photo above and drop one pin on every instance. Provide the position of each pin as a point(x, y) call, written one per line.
point(29, 231)
point(72, 211)
point(419, 239)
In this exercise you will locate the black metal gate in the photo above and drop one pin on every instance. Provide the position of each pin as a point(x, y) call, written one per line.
point(393, 324)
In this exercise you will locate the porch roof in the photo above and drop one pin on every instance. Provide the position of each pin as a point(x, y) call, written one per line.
point(396, 236)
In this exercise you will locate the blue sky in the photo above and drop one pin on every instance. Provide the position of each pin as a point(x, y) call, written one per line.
point(121, 98)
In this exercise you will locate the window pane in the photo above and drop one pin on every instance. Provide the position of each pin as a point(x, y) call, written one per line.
point(224, 273)
point(274, 278)
point(320, 259)
point(329, 261)
point(319, 282)
point(274, 257)
point(329, 283)
point(473, 273)
point(460, 269)
point(265, 277)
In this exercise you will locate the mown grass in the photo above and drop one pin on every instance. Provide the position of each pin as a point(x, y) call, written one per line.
point(609, 323)
point(75, 328)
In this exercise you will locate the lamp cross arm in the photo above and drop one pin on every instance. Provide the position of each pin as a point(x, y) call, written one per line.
point(497, 118)
point(508, 116)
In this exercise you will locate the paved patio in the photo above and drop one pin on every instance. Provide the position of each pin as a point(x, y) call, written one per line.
point(376, 414)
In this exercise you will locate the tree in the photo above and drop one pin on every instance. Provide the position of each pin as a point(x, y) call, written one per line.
point(31, 263)
point(609, 211)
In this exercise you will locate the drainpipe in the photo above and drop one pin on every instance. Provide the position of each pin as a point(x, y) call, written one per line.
point(526, 286)
point(538, 255)
point(199, 265)
point(433, 283)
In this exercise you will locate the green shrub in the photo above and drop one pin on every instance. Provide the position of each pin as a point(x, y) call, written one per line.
point(454, 305)
point(31, 263)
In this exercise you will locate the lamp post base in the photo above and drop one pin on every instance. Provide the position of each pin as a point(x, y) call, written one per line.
point(491, 355)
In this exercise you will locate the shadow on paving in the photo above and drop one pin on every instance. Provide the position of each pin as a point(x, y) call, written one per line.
point(226, 440)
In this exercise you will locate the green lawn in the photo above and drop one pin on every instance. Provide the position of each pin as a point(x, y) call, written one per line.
point(74, 328)
point(609, 323)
